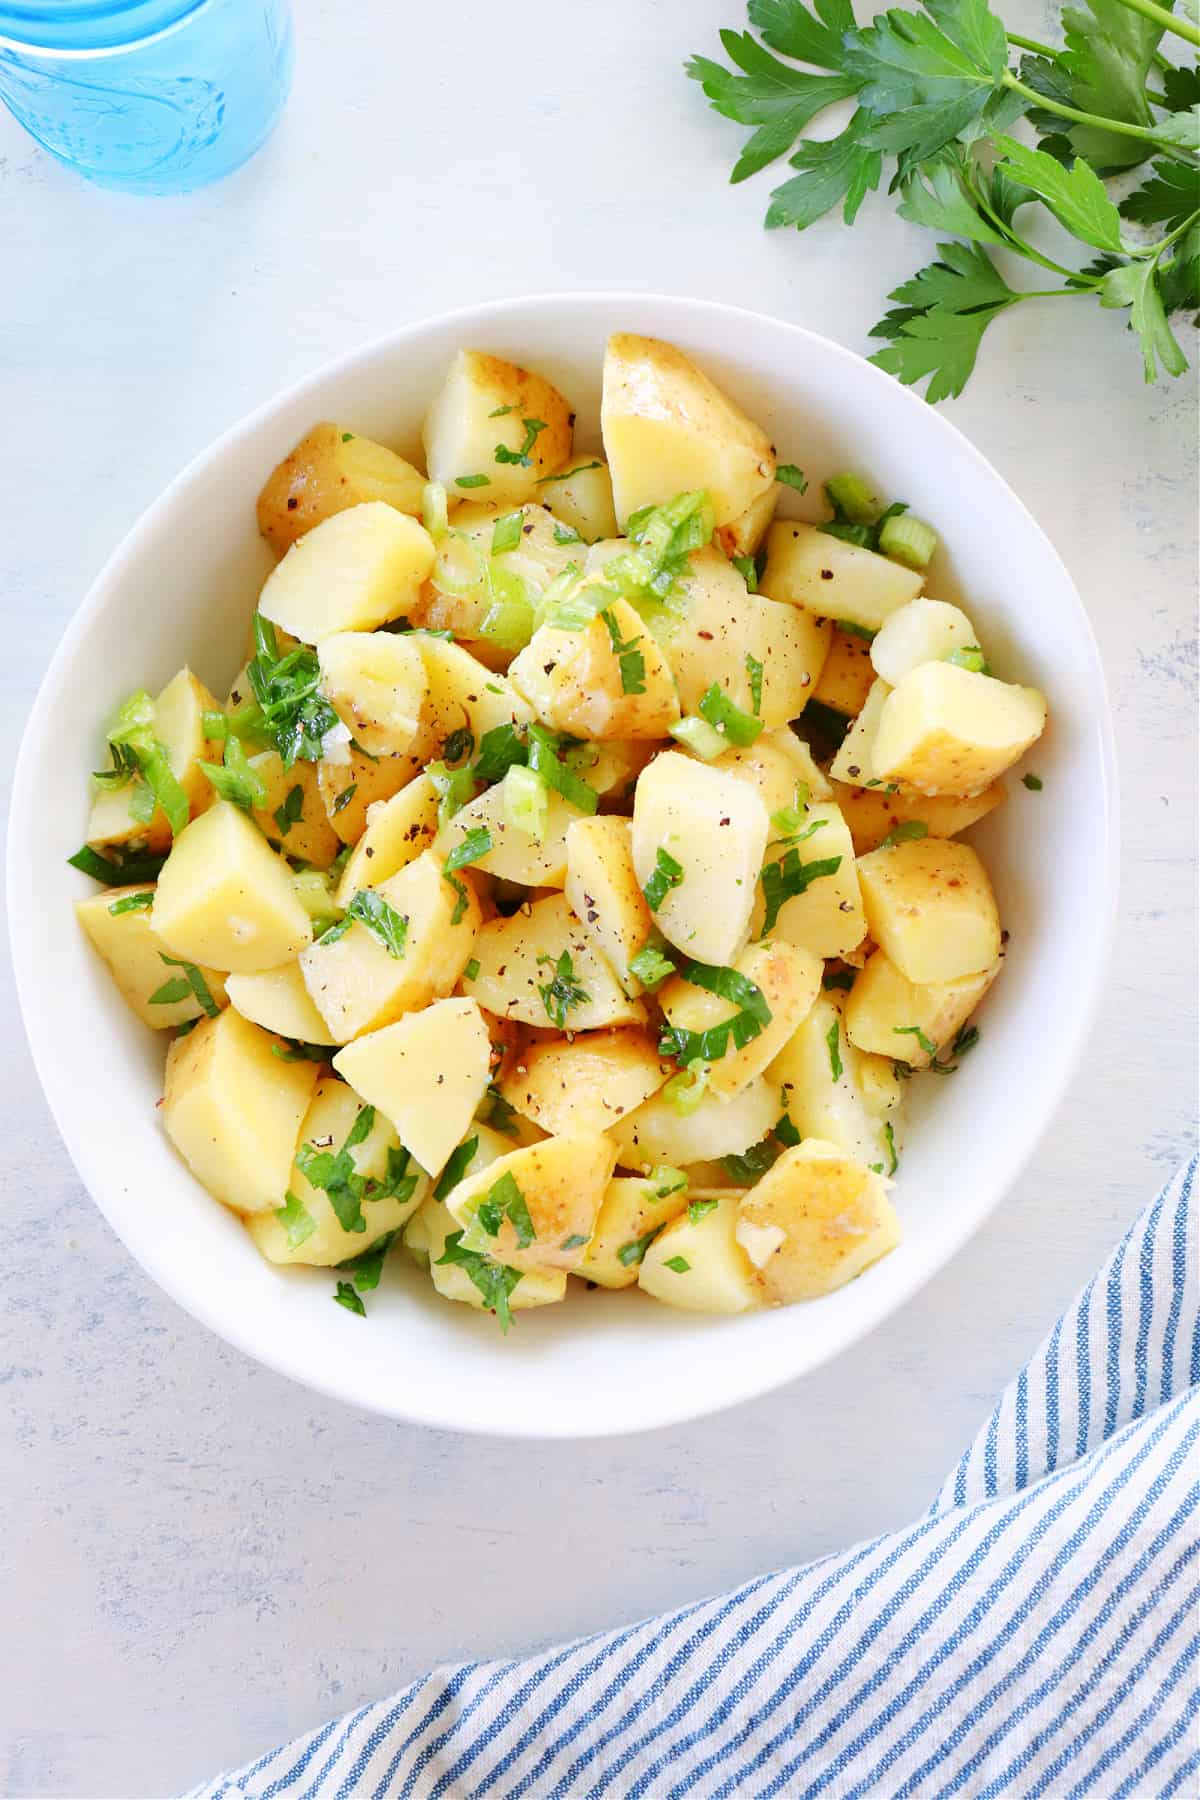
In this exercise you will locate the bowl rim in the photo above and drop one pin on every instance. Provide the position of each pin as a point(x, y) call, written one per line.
point(980, 1201)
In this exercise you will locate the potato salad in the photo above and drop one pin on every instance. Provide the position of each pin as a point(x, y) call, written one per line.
point(574, 878)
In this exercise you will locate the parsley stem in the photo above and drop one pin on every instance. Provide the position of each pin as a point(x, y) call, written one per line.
point(1169, 21)
point(1146, 132)
point(1156, 250)
point(1015, 243)
point(1027, 43)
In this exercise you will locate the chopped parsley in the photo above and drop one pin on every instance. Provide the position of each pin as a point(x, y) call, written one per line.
point(476, 843)
point(579, 469)
point(791, 477)
point(710, 1046)
point(789, 877)
point(137, 755)
point(345, 797)
point(746, 1168)
point(678, 1264)
point(472, 481)
point(366, 1268)
point(650, 967)
point(838, 978)
point(500, 1115)
point(236, 781)
point(965, 1039)
point(290, 1050)
point(454, 788)
point(630, 660)
point(544, 760)
point(494, 1281)
point(371, 910)
point(833, 1044)
point(562, 991)
point(754, 671)
point(499, 750)
point(132, 903)
point(501, 412)
point(138, 867)
point(971, 657)
point(574, 1242)
point(297, 1221)
point(628, 1255)
point(926, 1044)
point(859, 631)
point(337, 1176)
point(289, 711)
point(786, 1132)
point(746, 569)
point(906, 832)
point(459, 745)
point(504, 1200)
point(459, 1162)
point(668, 873)
point(889, 1138)
point(522, 457)
point(292, 810)
point(735, 726)
point(191, 981)
point(472, 969)
point(700, 1209)
point(1033, 782)
point(349, 1297)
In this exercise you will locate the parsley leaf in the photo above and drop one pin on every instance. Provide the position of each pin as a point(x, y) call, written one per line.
point(679, 1265)
point(926, 1044)
point(236, 781)
point(700, 1209)
point(906, 832)
point(736, 726)
point(563, 991)
point(754, 672)
point(831, 170)
point(634, 1252)
point(337, 1175)
point(768, 94)
point(475, 843)
point(297, 1221)
point(939, 323)
point(495, 1281)
point(784, 880)
point(372, 911)
point(630, 661)
point(292, 810)
point(545, 761)
point(132, 903)
point(651, 967)
point(460, 1161)
point(833, 1039)
point(791, 477)
point(1135, 285)
point(348, 1297)
point(499, 749)
point(289, 711)
point(1033, 782)
point(710, 1045)
point(504, 1200)
point(522, 457)
point(668, 873)
point(192, 981)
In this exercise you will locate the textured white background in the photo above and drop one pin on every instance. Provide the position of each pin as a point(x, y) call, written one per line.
point(197, 1558)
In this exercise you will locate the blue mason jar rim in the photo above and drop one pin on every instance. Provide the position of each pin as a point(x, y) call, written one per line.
point(83, 27)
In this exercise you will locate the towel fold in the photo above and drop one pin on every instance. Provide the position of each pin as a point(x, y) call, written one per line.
point(1036, 1633)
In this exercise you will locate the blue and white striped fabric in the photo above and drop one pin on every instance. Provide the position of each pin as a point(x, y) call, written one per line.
point(1035, 1634)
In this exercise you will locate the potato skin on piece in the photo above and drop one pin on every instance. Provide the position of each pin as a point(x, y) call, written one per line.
point(330, 470)
point(814, 1221)
point(632, 1208)
point(890, 1015)
point(930, 907)
point(484, 404)
point(873, 813)
point(352, 572)
point(586, 1082)
point(947, 730)
point(561, 1181)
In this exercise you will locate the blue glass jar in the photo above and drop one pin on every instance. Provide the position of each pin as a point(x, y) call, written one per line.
point(151, 96)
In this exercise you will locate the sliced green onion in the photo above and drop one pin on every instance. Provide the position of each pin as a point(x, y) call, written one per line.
point(969, 656)
point(506, 532)
point(852, 500)
point(434, 512)
point(544, 761)
point(908, 540)
point(526, 800)
point(698, 736)
point(509, 620)
point(738, 727)
point(454, 788)
point(459, 570)
point(686, 1090)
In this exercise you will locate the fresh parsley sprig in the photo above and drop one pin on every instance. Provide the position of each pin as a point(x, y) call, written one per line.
point(936, 90)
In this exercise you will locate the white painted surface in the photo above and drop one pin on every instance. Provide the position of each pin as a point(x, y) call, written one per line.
point(196, 1557)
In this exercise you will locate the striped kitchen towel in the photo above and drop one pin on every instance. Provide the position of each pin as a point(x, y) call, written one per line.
point(1036, 1633)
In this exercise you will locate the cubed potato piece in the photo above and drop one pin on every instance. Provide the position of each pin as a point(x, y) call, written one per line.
point(831, 1089)
point(299, 827)
point(515, 855)
point(233, 1110)
point(743, 535)
point(427, 1073)
point(427, 1234)
point(947, 730)
point(355, 981)
point(930, 906)
point(134, 955)
point(612, 768)
point(789, 981)
point(709, 643)
point(396, 831)
point(668, 428)
point(330, 470)
point(892, 1016)
point(376, 684)
point(714, 828)
point(561, 1181)
point(179, 727)
point(352, 572)
point(610, 680)
point(827, 918)
point(430, 1224)
point(815, 1220)
point(699, 1265)
point(632, 1210)
point(278, 1000)
point(848, 674)
point(792, 646)
point(351, 783)
point(581, 496)
point(225, 898)
point(657, 1132)
point(834, 579)
point(543, 550)
point(308, 1230)
point(462, 694)
point(854, 763)
point(516, 958)
point(486, 406)
point(586, 1082)
point(776, 765)
point(923, 631)
point(603, 890)
point(873, 813)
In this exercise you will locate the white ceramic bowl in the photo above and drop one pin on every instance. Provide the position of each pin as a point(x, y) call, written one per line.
point(181, 588)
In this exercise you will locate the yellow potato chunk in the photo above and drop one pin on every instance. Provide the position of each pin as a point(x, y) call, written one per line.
point(515, 855)
point(602, 888)
point(743, 535)
point(179, 727)
point(873, 813)
point(426, 1236)
point(814, 1221)
point(307, 1229)
point(854, 763)
point(931, 908)
point(351, 572)
point(788, 979)
point(834, 579)
point(792, 646)
point(233, 1110)
point(830, 1089)
point(358, 984)
point(518, 957)
point(427, 1073)
point(847, 676)
point(711, 641)
point(302, 827)
point(226, 899)
point(396, 831)
point(775, 766)
point(827, 916)
point(330, 470)
point(668, 428)
point(658, 1132)
point(713, 829)
point(585, 683)
point(632, 1210)
point(354, 782)
point(923, 631)
point(697, 1263)
point(890, 1015)
point(581, 496)
point(586, 1082)
point(487, 406)
point(561, 1182)
point(375, 682)
point(947, 730)
point(278, 1000)
point(134, 955)
point(462, 693)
